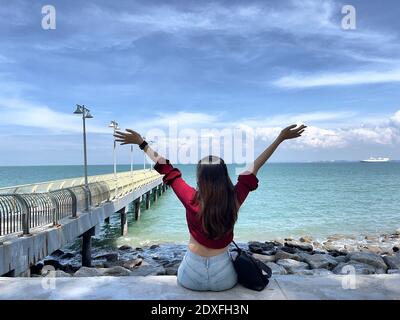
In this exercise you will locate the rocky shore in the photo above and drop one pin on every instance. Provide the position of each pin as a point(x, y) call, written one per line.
point(338, 254)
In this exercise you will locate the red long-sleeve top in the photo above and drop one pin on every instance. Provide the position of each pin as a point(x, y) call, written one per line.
point(173, 177)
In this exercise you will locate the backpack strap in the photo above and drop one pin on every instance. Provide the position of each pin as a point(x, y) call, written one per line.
point(237, 247)
point(264, 267)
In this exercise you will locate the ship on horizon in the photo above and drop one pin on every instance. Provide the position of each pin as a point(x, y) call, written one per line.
point(373, 159)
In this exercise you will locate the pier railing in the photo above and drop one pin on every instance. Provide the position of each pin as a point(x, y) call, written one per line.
point(23, 208)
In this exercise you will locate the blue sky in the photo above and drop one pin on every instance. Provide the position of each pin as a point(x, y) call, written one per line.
point(206, 64)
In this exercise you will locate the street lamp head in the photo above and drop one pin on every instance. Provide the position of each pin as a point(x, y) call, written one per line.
point(79, 109)
point(88, 115)
point(114, 124)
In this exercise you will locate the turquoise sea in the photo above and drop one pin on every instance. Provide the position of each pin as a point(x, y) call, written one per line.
point(293, 199)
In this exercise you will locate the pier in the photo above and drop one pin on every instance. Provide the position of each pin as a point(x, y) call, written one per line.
point(37, 219)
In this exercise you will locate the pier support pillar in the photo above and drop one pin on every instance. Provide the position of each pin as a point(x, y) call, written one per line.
point(155, 194)
point(124, 221)
point(137, 208)
point(107, 220)
point(147, 200)
point(87, 247)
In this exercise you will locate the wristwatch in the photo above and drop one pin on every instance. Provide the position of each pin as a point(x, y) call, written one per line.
point(143, 144)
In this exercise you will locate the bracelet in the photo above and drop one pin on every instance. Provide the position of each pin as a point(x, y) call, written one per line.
point(143, 144)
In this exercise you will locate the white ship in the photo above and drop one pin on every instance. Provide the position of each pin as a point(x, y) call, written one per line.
point(372, 159)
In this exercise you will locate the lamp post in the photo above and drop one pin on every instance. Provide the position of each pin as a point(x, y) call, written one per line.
point(85, 112)
point(113, 124)
point(144, 154)
point(131, 160)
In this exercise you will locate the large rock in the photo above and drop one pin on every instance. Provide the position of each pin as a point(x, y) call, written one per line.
point(264, 258)
point(88, 272)
point(172, 269)
point(393, 262)
point(334, 249)
point(288, 249)
point(116, 271)
point(370, 248)
point(56, 274)
point(369, 258)
point(276, 268)
point(146, 269)
point(125, 247)
point(321, 272)
point(393, 271)
point(317, 245)
point(354, 267)
point(307, 239)
point(314, 272)
point(275, 243)
point(280, 254)
point(378, 249)
point(320, 261)
point(340, 259)
point(67, 255)
point(37, 268)
point(303, 255)
point(58, 253)
point(386, 248)
point(53, 262)
point(111, 256)
point(292, 266)
point(299, 245)
point(259, 247)
point(128, 264)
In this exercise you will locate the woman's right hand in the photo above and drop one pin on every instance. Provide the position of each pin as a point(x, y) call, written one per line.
point(129, 137)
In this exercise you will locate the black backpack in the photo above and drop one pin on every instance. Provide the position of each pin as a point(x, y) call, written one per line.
point(250, 270)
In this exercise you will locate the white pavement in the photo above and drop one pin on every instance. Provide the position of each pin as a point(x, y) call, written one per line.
point(165, 287)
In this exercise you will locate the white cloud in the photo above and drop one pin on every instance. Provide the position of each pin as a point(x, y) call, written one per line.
point(305, 18)
point(338, 79)
point(323, 132)
point(120, 27)
point(381, 133)
point(396, 118)
point(319, 134)
point(320, 138)
point(18, 112)
point(306, 117)
point(377, 135)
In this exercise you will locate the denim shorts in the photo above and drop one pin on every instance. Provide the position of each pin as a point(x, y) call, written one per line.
point(207, 273)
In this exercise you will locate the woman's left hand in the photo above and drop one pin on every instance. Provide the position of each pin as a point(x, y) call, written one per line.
point(291, 132)
point(129, 137)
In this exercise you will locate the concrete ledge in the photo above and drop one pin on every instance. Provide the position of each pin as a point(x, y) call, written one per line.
point(166, 288)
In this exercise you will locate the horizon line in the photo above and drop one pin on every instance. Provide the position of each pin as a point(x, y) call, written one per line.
point(182, 164)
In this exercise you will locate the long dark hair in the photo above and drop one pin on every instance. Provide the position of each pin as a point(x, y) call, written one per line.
point(216, 196)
